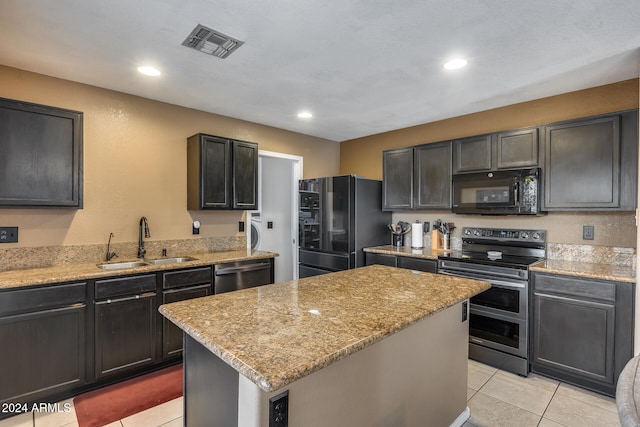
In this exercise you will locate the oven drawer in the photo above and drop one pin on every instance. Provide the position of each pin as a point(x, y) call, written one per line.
point(503, 333)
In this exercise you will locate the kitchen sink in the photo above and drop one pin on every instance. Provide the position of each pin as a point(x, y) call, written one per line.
point(169, 260)
point(120, 265)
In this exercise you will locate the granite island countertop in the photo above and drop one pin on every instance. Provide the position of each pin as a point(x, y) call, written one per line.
point(277, 334)
point(85, 271)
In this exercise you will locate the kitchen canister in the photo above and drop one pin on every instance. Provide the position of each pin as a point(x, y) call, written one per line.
point(416, 235)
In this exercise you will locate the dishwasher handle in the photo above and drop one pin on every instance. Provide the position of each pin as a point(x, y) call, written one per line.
point(243, 268)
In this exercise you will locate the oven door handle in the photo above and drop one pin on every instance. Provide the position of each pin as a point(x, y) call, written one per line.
point(492, 281)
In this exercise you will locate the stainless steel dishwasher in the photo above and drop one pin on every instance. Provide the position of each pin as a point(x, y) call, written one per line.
point(238, 275)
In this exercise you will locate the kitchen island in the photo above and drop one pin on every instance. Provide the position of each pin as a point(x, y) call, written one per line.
point(371, 346)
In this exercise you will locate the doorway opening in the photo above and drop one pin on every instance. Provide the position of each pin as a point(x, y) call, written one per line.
point(274, 226)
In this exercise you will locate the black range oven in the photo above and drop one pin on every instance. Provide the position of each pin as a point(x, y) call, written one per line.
point(498, 322)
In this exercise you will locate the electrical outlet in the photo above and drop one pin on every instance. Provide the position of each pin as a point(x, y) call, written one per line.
point(241, 226)
point(269, 225)
point(587, 232)
point(8, 234)
point(279, 410)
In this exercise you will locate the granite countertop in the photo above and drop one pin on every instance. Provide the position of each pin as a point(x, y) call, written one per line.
point(75, 272)
point(618, 273)
point(426, 253)
point(277, 334)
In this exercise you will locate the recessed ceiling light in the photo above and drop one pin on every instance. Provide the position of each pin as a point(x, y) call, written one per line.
point(454, 64)
point(305, 115)
point(149, 71)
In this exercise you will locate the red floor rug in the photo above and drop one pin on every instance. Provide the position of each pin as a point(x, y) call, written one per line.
point(108, 404)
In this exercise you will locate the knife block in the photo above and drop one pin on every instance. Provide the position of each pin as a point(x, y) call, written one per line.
point(436, 240)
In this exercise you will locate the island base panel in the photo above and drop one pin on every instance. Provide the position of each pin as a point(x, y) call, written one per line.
point(415, 377)
point(210, 388)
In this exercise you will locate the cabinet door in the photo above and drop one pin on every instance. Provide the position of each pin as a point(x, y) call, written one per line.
point(574, 336)
point(43, 353)
point(245, 175)
point(41, 159)
point(582, 160)
point(208, 172)
point(433, 176)
point(472, 154)
point(125, 334)
point(397, 179)
point(517, 149)
point(215, 169)
point(171, 334)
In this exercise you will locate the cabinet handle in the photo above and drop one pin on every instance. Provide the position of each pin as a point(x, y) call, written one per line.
point(130, 298)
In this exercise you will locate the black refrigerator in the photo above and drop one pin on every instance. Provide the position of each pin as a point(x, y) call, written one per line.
point(338, 217)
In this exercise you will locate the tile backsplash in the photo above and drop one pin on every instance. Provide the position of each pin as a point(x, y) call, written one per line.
point(38, 257)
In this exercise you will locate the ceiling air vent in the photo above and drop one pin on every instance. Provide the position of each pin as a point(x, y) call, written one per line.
point(211, 42)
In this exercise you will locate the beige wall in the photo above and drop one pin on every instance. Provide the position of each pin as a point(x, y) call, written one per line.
point(135, 164)
point(363, 156)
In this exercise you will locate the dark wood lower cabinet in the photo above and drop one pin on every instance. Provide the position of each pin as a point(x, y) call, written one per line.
point(372, 258)
point(582, 330)
point(125, 334)
point(171, 334)
point(43, 353)
point(411, 263)
point(43, 337)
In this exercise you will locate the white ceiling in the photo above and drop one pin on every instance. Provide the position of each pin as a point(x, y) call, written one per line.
point(361, 66)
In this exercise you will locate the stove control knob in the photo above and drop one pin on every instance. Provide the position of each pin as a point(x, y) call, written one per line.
point(525, 235)
point(467, 232)
point(536, 236)
point(476, 232)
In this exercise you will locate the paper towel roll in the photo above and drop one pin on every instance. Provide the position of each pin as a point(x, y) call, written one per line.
point(416, 235)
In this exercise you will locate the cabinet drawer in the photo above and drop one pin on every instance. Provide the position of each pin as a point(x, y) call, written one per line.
point(125, 286)
point(35, 299)
point(328, 261)
point(577, 287)
point(381, 259)
point(194, 276)
point(427, 265)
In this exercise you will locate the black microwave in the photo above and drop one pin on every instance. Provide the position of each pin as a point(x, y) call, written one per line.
point(506, 192)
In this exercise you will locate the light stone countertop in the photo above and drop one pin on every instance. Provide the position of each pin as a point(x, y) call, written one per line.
point(277, 334)
point(620, 273)
point(77, 272)
point(617, 273)
point(425, 253)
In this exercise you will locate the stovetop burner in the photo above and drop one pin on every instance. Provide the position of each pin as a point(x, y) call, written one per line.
point(513, 248)
point(483, 258)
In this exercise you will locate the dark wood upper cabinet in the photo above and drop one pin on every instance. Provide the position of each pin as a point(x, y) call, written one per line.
point(397, 179)
point(503, 150)
point(221, 173)
point(517, 149)
point(432, 178)
point(41, 162)
point(591, 164)
point(417, 177)
point(472, 154)
point(245, 175)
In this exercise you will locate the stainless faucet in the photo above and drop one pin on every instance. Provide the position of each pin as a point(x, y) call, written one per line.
point(110, 254)
point(141, 249)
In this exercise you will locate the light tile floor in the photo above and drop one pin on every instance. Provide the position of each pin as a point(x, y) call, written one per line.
point(496, 398)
